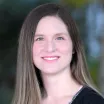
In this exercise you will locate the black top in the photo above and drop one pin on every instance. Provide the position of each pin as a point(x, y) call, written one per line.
point(87, 96)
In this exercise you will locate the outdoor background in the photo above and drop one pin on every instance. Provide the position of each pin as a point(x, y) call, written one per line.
point(89, 16)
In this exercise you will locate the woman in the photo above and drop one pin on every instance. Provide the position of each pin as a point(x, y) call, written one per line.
point(51, 67)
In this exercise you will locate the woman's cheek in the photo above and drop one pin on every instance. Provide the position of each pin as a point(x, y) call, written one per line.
point(65, 47)
point(37, 49)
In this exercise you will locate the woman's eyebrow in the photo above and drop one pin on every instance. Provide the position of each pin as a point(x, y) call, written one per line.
point(38, 35)
point(59, 34)
point(64, 34)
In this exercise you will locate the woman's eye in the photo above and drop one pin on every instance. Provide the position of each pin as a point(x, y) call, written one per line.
point(39, 39)
point(60, 38)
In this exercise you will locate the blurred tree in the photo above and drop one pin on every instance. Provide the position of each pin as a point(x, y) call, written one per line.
point(101, 41)
point(101, 69)
point(76, 3)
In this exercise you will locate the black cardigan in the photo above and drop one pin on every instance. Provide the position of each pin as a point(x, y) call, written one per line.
point(88, 96)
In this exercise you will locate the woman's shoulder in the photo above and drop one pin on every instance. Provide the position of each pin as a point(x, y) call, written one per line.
point(88, 96)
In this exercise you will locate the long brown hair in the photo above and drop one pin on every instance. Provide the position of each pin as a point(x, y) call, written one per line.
point(29, 85)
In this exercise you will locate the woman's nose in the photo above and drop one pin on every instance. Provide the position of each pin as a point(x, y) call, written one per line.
point(50, 46)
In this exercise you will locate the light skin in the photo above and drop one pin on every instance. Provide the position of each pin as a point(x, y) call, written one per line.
point(52, 39)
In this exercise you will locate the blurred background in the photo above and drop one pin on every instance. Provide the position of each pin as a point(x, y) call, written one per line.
point(89, 16)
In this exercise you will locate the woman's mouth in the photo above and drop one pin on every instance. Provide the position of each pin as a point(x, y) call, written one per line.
point(50, 58)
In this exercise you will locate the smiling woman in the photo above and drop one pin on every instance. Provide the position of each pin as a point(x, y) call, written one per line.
point(51, 67)
point(52, 51)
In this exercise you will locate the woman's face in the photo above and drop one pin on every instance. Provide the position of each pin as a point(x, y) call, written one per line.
point(52, 47)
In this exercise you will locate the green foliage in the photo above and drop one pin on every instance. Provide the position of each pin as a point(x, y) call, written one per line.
point(76, 3)
point(93, 68)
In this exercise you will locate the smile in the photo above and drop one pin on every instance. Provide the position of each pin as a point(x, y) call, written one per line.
point(50, 58)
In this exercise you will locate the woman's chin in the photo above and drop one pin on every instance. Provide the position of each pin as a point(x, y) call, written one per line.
point(50, 71)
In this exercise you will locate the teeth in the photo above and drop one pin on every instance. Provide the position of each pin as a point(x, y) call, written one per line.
point(51, 58)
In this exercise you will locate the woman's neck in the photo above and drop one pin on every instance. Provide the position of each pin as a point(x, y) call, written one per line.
point(60, 85)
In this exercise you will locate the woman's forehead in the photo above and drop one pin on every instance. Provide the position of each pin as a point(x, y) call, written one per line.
point(51, 24)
